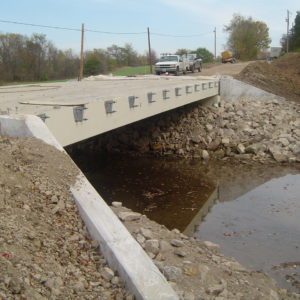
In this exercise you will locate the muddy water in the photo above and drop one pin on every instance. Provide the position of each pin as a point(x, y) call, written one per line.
point(252, 211)
point(261, 229)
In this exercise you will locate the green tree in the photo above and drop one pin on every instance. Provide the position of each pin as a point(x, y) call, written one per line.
point(182, 51)
point(12, 50)
point(247, 37)
point(34, 58)
point(91, 65)
point(294, 39)
point(204, 54)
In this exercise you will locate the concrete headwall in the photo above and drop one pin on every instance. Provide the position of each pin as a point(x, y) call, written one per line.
point(231, 89)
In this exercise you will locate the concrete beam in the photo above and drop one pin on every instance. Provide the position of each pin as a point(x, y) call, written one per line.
point(88, 109)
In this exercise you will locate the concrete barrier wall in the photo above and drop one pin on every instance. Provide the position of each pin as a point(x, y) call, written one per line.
point(117, 245)
point(231, 89)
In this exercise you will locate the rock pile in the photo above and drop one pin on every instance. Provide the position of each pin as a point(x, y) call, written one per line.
point(45, 250)
point(196, 270)
point(245, 129)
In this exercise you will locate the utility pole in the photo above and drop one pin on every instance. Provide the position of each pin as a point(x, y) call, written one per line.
point(81, 54)
point(149, 47)
point(215, 32)
point(287, 31)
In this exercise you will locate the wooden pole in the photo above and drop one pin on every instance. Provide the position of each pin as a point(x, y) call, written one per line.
point(149, 47)
point(81, 54)
point(287, 31)
point(215, 32)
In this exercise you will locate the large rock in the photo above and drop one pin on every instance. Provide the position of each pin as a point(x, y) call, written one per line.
point(240, 148)
point(129, 216)
point(211, 245)
point(172, 273)
point(177, 243)
point(147, 233)
point(213, 146)
point(152, 246)
point(278, 154)
point(196, 135)
point(205, 154)
point(108, 273)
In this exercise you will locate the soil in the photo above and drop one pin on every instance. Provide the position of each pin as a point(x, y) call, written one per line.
point(222, 69)
point(280, 77)
point(45, 250)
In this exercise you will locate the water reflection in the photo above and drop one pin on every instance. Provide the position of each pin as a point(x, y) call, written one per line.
point(261, 228)
point(253, 210)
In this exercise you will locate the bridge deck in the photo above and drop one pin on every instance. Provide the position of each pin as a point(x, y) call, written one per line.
point(74, 111)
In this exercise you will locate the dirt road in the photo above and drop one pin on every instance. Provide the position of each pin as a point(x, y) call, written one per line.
point(223, 69)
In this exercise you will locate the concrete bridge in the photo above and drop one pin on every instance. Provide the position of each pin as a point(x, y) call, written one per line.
point(74, 111)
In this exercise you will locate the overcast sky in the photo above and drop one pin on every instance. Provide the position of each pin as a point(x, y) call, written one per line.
point(172, 17)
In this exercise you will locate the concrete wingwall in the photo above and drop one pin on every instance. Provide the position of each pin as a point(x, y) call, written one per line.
point(119, 248)
point(232, 89)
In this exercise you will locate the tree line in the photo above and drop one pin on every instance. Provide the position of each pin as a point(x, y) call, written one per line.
point(294, 36)
point(99, 61)
point(35, 58)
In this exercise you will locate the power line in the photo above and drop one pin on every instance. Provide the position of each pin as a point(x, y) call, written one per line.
point(67, 28)
point(109, 32)
point(36, 25)
point(103, 32)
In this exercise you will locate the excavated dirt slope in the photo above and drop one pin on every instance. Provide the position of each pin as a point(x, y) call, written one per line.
point(281, 77)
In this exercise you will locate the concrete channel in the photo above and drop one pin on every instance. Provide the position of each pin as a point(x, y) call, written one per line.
point(120, 249)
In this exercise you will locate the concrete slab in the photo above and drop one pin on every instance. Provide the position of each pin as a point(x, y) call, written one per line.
point(88, 108)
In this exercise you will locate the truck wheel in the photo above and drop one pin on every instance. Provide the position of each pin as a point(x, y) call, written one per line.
point(177, 71)
point(193, 69)
point(200, 68)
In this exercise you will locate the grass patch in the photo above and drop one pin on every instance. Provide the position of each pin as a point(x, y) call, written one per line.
point(32, 82)
point(127, 71)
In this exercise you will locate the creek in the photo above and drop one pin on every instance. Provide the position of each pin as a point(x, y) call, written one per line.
point(251, 210)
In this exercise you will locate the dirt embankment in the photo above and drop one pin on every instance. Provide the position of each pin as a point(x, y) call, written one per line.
point(45, 251)
point(281, 77)
point(223, 69)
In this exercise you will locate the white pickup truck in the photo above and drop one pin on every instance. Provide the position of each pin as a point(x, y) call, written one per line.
point(171, 64)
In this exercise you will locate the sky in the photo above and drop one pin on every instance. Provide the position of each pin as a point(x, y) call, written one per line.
point(194, 20)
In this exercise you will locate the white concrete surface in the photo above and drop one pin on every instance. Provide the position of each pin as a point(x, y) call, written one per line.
point(119, 248)
point(231, 89)
point(123, 253)
point(27, 126)
point(92, 95)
